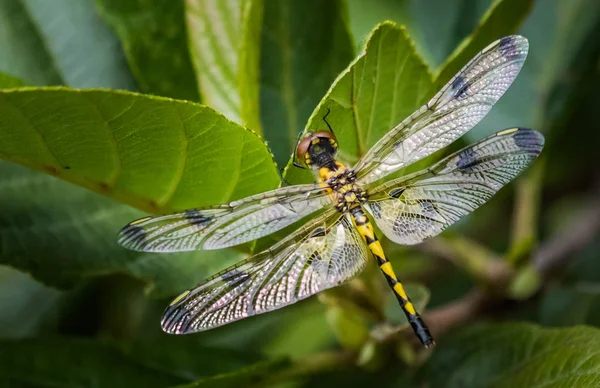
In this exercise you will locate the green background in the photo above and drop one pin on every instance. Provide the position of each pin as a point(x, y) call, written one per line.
point(112, 109)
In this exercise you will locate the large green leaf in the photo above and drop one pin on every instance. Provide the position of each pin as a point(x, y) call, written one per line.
point(565, 306)
point(156, 154)
point(60, 42)
point(253, 374)
point(366, 14)
point(516, 355)
point(504, 17)
point(214, 29)
point(70, 362)
point(8, 81)
point(385, 84)
point(24, 302)
point(63, 235)
point(304, 46)
point(437, 26)
point(132, 148)
point(249, 63)
point(153, 35)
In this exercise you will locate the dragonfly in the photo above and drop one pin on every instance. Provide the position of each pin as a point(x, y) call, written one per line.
point(333, 245)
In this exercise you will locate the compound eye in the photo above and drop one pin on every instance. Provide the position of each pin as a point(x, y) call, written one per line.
point(324, 134)
point(302, 147)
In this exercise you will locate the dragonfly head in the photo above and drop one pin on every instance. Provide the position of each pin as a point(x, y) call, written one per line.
point(316, 149)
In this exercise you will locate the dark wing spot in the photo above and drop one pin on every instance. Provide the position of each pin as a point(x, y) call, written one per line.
point(133, 236)
point(235, 276)
point(376, 209)
point(396, 193)
point(458, 82)
point(176, 319)
point(507, 46)
point(319, 232)
point(428, 208)
point(460, 86)
point(467, 159)
point(196, 217)
point(527, 139)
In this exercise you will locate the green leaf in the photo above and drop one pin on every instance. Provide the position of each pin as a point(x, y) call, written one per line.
point(154, 39)
point(295, 331)
point(249, 63)
point(60, 42)
point(299, 331)
point(188, 359)
point(350, 327)
point(253, 374)
point(214, 30)
point(366, 14)
point(437, 26)
point(384, 85)
point(571, 305)
point(63, 235)
point(304, 46)
point(92, 363)
point(156, 154)
point(504, 17)
point(132, 148)
point(82, 363)
point(516, 355)
point(8, 81)
point(24, 302)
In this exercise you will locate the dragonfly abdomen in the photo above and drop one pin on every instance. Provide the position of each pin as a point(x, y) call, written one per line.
point(365, 229)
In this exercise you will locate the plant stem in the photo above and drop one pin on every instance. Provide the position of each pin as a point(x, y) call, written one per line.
point(526, 211)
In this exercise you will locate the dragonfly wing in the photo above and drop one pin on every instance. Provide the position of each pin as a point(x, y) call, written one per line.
point(324, 253)
point(453, 111)
point(410, 209)
point(225, 225)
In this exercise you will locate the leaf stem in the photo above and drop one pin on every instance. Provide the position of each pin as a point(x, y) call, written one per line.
point(525, 216)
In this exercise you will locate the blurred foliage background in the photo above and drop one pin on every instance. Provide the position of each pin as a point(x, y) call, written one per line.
point(512, 291)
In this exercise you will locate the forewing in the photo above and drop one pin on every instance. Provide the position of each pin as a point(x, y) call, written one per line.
point(453, 111)
point(323, 254)
point(410, 209)
point(226, 225)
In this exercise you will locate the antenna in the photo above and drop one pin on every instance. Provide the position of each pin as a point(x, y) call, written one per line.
point(325, 119)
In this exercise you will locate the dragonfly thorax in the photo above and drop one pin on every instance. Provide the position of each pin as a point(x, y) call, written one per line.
point(345, 192)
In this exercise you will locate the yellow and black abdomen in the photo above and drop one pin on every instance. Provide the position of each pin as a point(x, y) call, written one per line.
point(365, 228)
